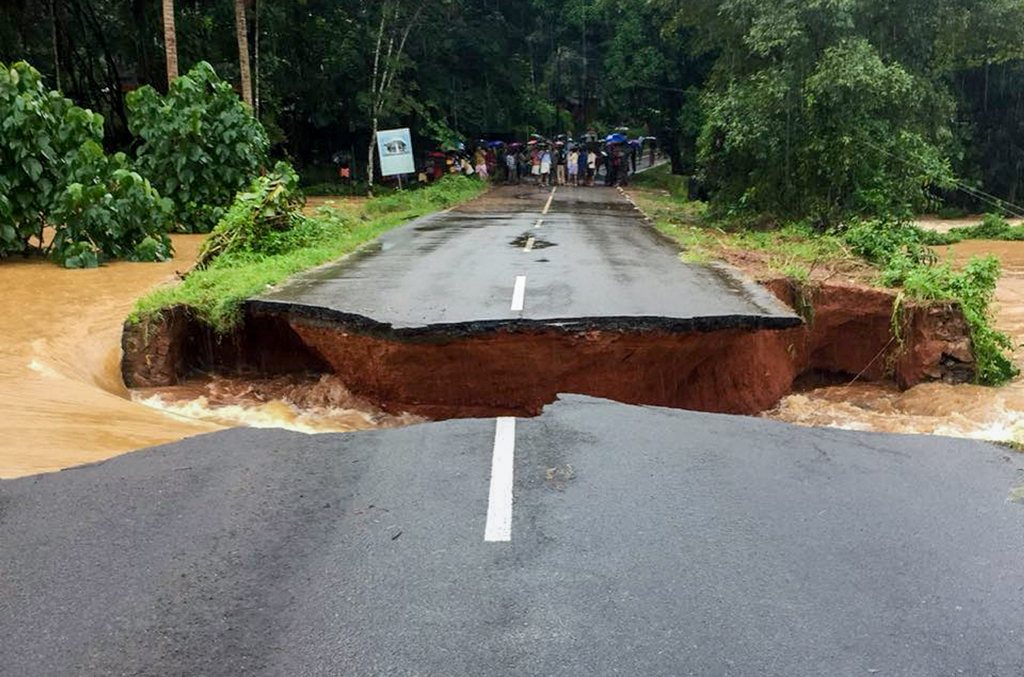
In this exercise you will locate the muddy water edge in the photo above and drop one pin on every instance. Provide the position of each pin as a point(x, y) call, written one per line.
point(61, 394)
point(62, 400)
point(933, 408)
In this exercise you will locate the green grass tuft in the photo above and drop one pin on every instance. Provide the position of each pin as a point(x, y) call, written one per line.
point(216, 293)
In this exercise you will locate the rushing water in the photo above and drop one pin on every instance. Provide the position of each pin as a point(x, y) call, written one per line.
point(62, 401)
point(60, 389)
point(938, 408)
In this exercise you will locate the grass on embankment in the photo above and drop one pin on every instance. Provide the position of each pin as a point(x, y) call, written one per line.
point(794, 250)
point(883, 253)
point(216, 293)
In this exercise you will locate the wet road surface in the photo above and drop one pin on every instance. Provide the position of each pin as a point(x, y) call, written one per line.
point(596, 539)
point(641, 541)
point(525, 255)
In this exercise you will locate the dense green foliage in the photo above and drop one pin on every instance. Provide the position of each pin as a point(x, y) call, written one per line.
point(216, 293)
point(261, 219)
point(200, 145)
point(54, 172)
point(816, 108)
point(108, 211)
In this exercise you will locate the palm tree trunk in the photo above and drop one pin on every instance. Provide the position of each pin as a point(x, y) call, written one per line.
point(242, 34)
point(170, 42)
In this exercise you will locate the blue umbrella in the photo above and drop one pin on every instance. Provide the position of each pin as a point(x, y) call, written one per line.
point(495, 144)
point(615, 138)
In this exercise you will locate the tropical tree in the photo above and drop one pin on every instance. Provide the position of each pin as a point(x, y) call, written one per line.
point(170, 42)
point(242, 36)
point(397, 19)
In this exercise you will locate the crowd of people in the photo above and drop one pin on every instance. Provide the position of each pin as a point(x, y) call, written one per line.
point(562, 161)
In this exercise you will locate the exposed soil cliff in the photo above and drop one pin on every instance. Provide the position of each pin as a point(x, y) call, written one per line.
point(849, 333)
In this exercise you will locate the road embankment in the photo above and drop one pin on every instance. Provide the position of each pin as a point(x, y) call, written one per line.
point(850, 332)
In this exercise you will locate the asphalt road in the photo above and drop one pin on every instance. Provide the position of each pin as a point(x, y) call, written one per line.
point(524, 254)
point(643, 541)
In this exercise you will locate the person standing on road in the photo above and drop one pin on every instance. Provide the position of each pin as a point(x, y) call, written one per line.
point(573, 162)
point(591, 166)
point(511, 164)
point(535, 164)
point(560, 159)
point(545, 168)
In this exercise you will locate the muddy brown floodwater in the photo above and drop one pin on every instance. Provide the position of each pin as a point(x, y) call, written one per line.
point(935, 408)
point(62, 402)
point(61, 396)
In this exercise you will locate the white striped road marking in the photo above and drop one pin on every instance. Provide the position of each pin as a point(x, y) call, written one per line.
point(499, 502)
point(529, 244)
point(550, 198)
point(539, 221)
point(519, 293)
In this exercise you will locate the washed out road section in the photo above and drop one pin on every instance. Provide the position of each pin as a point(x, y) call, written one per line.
point(644, 541)
point(593, 262)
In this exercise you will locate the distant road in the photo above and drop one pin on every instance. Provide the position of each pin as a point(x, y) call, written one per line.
point(641, 541)
point(526, 255)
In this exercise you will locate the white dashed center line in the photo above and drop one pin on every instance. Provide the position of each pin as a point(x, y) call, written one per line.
point(529, 244)
point(519, 293)
point(551, 197)
point(499, 502)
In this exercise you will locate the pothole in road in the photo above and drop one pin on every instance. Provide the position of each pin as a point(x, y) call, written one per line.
point(538, 243)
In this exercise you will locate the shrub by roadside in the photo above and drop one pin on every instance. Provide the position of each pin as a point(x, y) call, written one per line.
point(53, 172)
point(200, 145)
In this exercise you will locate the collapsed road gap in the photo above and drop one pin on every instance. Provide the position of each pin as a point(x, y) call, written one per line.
point(499, 501)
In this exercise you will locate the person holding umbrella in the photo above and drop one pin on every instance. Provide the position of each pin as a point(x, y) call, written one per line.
point(545, 167)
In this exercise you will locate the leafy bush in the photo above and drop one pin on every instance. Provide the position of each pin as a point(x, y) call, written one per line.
point(992, 227)
point(974, 287)
point(41, 133)
point(109, 211)
point(901, 251)
point(883, 242)
point(53, 171)
point(855, 135)
point(200, 145)
point(260, 219)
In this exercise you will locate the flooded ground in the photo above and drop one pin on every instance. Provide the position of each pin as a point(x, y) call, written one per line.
point(61, 395)
point(934, 408)
point(60, 387)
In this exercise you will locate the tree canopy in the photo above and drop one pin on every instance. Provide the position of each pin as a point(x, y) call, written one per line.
point(792, 107)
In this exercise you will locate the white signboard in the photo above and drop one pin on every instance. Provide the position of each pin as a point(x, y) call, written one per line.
point(394, 146)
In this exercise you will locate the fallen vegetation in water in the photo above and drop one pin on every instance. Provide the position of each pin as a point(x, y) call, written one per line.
point(252, 249)
point(877, 252)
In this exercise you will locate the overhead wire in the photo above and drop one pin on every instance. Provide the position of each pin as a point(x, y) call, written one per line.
point(978, 194)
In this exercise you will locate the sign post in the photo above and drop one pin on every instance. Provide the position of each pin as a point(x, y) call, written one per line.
point(394, 147)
